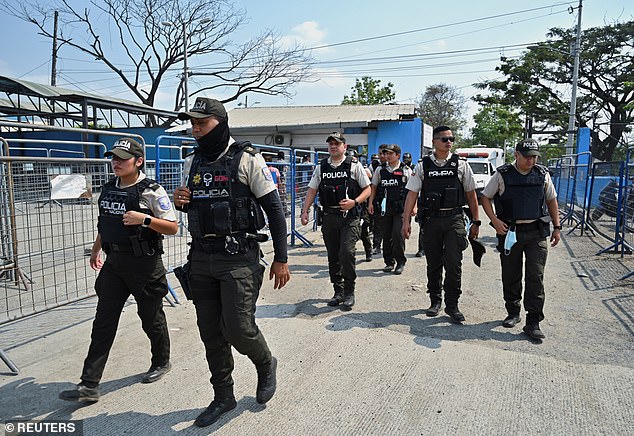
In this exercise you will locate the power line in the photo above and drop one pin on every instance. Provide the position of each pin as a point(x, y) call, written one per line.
point(408, 32)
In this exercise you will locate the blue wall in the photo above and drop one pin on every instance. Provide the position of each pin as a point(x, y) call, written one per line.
point(407, 134)
point(149, 134)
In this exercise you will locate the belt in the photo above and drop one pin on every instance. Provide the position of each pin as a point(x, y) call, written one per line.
point(209, 244)
point(527, 227)
point(120, 248)
point(445, 213)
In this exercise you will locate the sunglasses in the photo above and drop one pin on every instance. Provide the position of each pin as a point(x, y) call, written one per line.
point(446, 138)
point(387, 151)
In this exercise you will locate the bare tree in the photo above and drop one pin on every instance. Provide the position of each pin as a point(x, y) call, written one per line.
point(442, 104)
point(136, 29)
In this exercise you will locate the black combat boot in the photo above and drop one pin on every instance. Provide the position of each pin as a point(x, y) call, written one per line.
point(434, 308)
point(348, 301)
point(455, 314)
point(223, 402)
point(81, 394)
point(267, 381)
point(533, 331)
point(336, 299)
point(511, 320)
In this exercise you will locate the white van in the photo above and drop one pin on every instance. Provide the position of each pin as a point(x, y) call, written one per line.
point(483, 162)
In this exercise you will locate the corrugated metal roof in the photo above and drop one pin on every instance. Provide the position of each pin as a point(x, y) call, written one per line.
point(24, 87)
point(316, 115)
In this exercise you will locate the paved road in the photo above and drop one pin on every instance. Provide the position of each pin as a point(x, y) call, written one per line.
point(384, 368)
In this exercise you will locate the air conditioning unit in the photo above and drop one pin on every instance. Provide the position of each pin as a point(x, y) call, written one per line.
point(282, 139)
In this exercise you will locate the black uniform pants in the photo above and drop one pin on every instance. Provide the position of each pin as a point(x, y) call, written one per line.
point(531, 249)
point(366, 231)
point(445, 239)
point(225, 289)
point(377, 231)
point(121, 275)
point(340, 237)
point(393, 242)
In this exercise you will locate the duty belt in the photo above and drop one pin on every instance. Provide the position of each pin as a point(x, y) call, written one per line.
point(232, 244)
point(445, 212)
point(527, 227)
point(118, 248)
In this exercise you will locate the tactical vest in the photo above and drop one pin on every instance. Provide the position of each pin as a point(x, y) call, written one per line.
point(113, 203)
point(337, 183)
point(524, 197)
point(221, 205)
point(392, 184)
point(441, 186)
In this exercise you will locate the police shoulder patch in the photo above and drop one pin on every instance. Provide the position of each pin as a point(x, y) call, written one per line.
point(165, 203)
point(267, 174)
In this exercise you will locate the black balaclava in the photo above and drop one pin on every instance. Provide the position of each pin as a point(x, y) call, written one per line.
point(215, 142)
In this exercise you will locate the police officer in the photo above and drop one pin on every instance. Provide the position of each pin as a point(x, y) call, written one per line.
point(388, 192)
point(227, 186)
point(407, 160)
point(377, 230)
point(525, 202)
point(421, 242)
point(342, 185)
point(447, 184)
point(134, 213)
point(376, 237)
point(366, 228)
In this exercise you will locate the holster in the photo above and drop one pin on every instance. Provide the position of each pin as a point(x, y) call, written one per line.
point(182, 274)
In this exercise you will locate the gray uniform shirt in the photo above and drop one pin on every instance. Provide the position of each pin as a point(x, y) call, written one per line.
point(252, 171)
point(376, 177)
point(465, 174)
point(156, 200)
point(496, 186)
point(357, 171)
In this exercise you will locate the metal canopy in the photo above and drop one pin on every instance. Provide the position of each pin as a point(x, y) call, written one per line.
point(22, 100)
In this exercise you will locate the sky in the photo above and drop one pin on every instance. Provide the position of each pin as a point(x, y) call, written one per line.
point(412, 44)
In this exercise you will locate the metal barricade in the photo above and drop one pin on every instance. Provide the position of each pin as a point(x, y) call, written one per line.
point(43, 260)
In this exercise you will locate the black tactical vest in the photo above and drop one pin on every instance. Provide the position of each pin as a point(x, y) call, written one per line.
point(221, 205)
point(113, 203)
point(337, 183)
point(524, 197)
point(392, 184)
point(441, 186)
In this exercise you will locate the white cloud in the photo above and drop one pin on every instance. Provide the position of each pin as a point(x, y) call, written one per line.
point(307, 34)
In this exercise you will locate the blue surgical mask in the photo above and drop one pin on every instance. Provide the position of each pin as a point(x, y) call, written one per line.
point(384, 204)
point(509, 241)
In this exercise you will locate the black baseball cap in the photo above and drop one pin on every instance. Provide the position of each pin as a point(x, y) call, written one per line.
point(392, 147)
point(203, 108)
point(125, 148)
point(478, 251)
point(336, 136)
point(528, 147)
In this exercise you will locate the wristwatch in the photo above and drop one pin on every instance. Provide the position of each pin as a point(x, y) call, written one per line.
point(356, 203)
point(557, 227)
point(147, 221)
point(476, 223)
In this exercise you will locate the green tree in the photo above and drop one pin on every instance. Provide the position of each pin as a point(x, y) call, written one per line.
point(369, 91)
point(497, 126)
point(443, 105)
point(538, 84)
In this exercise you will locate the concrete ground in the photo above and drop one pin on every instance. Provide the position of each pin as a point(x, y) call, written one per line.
point(383, 368)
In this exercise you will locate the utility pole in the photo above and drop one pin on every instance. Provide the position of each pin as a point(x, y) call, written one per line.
point(185, 72)
point(54, 60)
point(570, 145)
